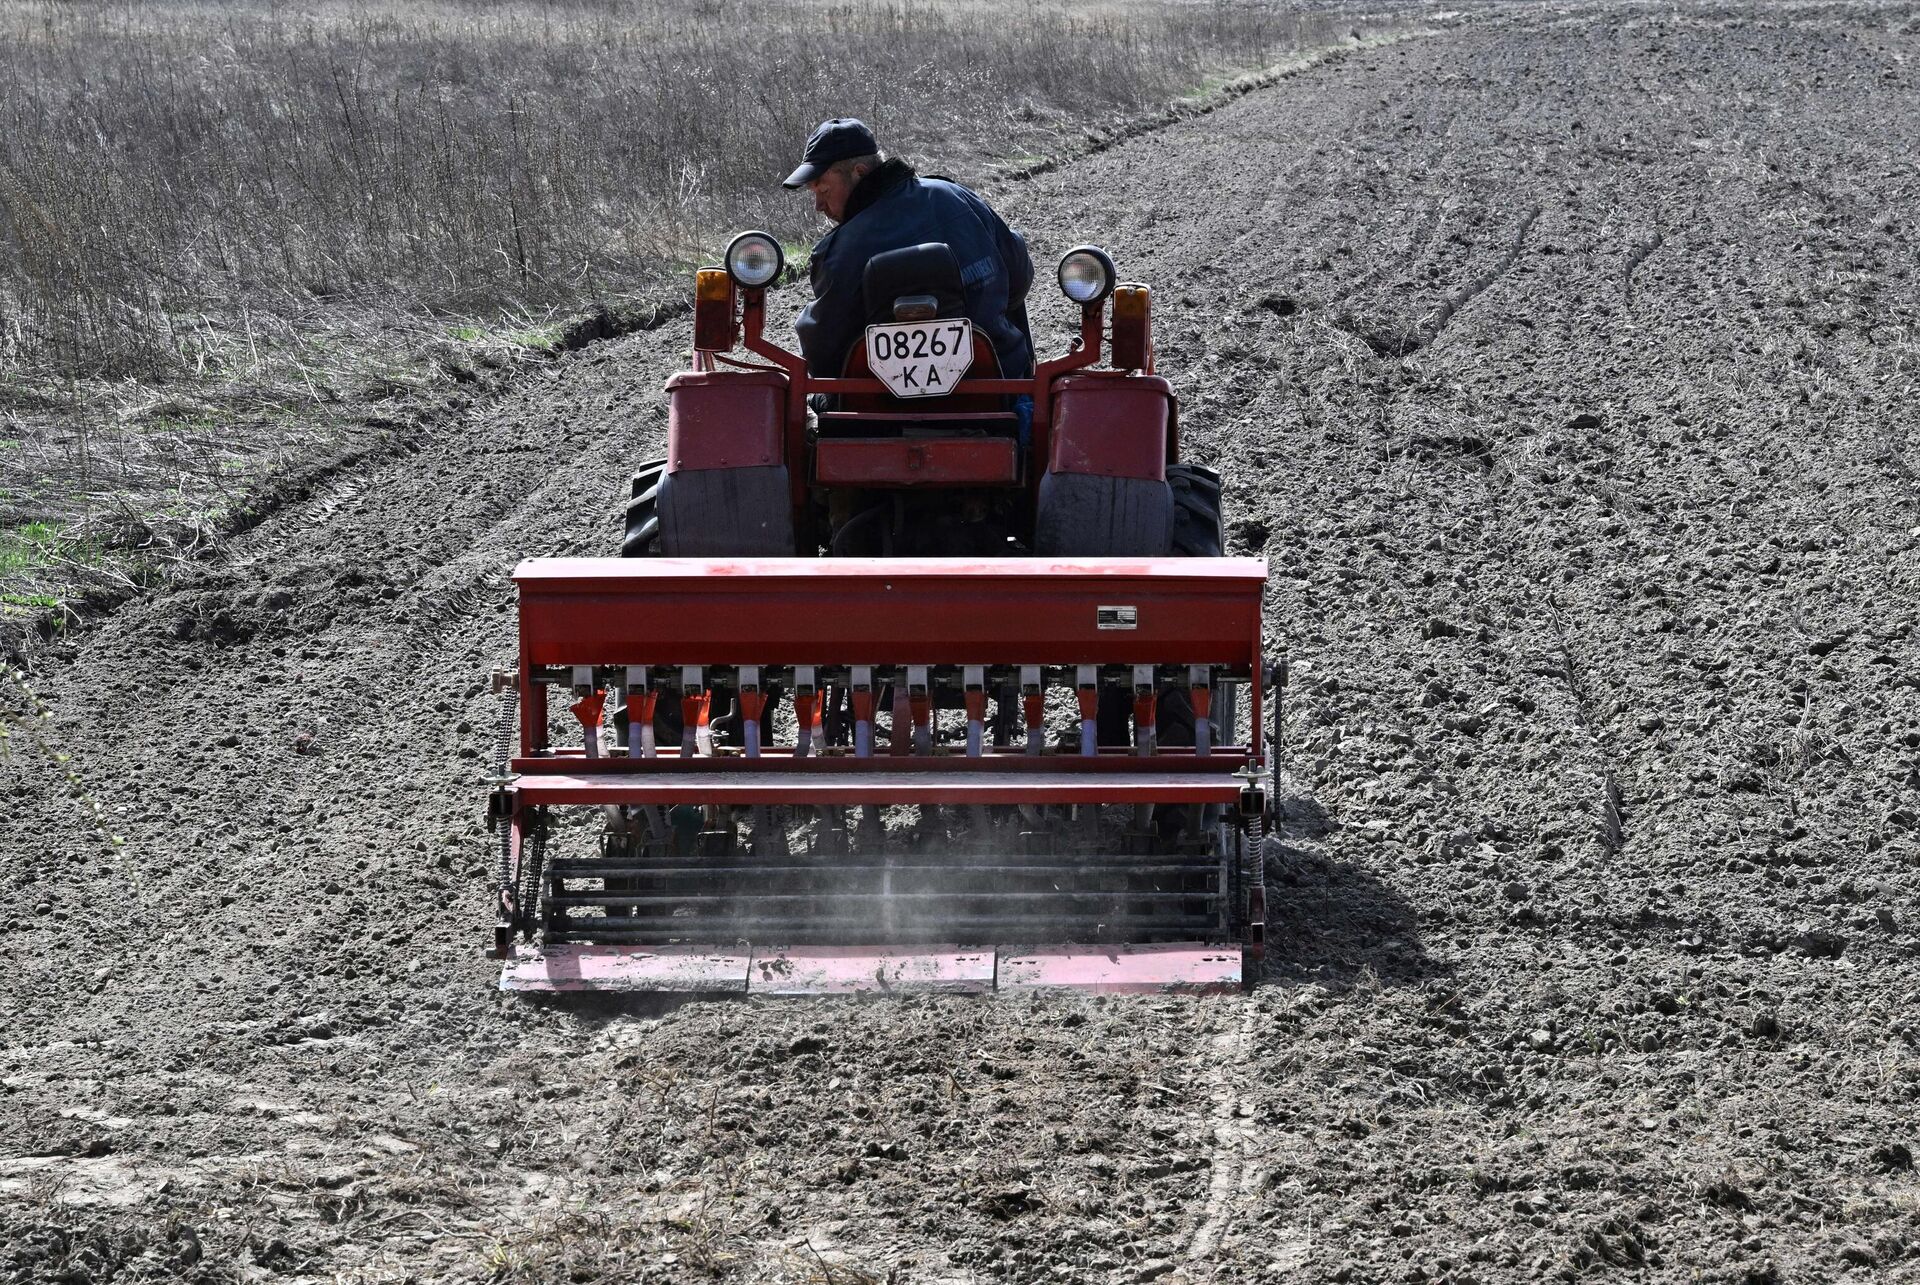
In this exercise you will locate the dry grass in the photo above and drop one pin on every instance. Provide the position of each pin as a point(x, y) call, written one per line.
point(232, 234)
point(170, 170)
point(107, 484)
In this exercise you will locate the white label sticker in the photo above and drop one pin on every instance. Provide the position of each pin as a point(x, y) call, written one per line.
point(1118, 617)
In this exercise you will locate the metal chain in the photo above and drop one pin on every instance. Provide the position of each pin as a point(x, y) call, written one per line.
point(504, 731)
point(505, 728)
point(533, 859)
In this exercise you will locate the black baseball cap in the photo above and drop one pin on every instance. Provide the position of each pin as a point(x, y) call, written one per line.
point(839, 139)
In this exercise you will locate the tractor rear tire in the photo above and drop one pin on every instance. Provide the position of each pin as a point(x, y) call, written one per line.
point(1198, 532)
point(642, 540)
point(726, 513)
point(1083, 515)
point(643, 512)
point(1198, 529)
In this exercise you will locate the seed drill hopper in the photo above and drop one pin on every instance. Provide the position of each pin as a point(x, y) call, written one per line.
point(779, 748)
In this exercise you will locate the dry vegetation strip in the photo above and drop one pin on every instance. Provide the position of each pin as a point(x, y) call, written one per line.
point(161, 163)
point(226, 228)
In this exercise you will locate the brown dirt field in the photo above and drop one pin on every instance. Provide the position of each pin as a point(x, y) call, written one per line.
point(1562, 360)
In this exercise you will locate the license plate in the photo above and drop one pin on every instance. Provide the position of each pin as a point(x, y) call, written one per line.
point(920, 358)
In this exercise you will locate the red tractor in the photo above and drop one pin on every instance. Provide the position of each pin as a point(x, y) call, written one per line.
point(928, 452)
point(1014, 584)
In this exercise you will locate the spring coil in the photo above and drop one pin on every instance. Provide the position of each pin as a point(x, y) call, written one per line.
point(504, 731)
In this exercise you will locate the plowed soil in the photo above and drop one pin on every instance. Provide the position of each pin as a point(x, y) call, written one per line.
point(1562, 360)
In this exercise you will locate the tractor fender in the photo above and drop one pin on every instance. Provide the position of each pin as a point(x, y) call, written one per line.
point(725, 419)
point(1112, 426)
point(725, 491)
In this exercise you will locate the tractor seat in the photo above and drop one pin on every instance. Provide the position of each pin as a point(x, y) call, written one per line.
point(922, 281)
point(921, 273)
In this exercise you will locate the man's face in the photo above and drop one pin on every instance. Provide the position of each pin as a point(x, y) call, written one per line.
point(830, 193)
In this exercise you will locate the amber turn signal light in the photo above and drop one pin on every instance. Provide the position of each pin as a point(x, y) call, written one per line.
point(1132, 328)
point(713, 328)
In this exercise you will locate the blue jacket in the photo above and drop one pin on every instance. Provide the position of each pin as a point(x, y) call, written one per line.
point(891, 209)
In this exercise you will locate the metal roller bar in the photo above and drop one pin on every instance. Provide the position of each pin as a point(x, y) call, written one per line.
point(669, 865)
point(883, 787)
point(1109, 896)
point(999, 761)
point(984, 930)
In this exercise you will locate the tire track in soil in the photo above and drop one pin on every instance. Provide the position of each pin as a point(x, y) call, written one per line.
point(1233, 1182)
point(1489, 1050)
point(1455, 300)
point(1438, 152)
point(1637, 256)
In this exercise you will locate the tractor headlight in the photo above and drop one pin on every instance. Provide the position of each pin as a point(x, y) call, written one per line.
point(1086, 274)
point(754, 260)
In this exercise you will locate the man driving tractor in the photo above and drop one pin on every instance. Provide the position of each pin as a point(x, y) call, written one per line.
point(879, 204)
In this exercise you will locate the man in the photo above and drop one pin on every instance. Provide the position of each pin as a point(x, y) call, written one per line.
point(880, 204)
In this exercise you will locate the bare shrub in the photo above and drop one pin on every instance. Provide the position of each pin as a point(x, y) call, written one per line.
point(166, 163)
